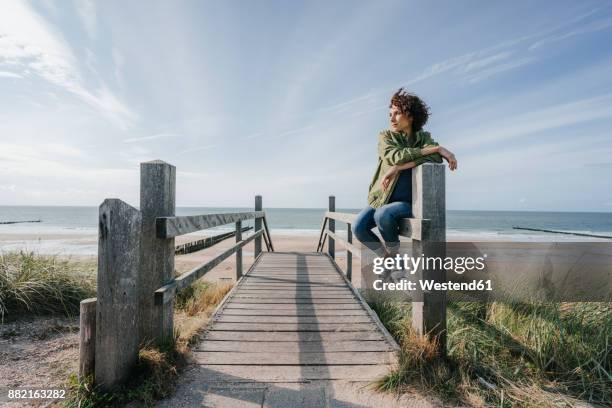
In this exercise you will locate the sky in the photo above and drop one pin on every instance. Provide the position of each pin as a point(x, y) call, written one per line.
point(286, 99)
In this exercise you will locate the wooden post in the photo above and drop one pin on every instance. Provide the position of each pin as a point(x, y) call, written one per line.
point(258, 207)
point(239, 251)
point(87, 338)
point(157, 199)
point(332, 227)
point(428, 202)
point(116, 349)
point(349, 254)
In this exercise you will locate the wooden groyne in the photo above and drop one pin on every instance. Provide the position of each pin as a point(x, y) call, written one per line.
point(207, 242)
point(18, 222)
point(580, 234)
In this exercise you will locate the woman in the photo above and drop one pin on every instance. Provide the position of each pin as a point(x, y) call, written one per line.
point(404, 146)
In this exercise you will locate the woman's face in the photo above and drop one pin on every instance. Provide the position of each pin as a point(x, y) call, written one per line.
point(399, 121)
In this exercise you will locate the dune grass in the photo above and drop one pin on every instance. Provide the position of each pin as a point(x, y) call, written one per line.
point(507, 355)
point(39, 284)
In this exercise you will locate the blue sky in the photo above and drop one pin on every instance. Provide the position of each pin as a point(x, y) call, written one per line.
point(286, 99)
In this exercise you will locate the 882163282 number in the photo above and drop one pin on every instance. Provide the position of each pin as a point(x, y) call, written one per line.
point(33, 393)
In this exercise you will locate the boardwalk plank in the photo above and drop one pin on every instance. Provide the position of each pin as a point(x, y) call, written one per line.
point(297, 327)
point(285, 295)
point(292, 346)
point(255, 336)
point(294, 306)
point(273, 301)
point(268, 373)
point(295, 358)
point(295, 312)
point(228, 318)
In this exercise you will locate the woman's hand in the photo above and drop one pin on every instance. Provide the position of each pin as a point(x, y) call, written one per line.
point(386, 180)
point(449, 157)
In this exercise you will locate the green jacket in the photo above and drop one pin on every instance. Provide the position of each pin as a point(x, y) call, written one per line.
point(398, 148)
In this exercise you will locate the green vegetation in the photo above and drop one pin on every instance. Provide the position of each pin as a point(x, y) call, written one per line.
point(39, 284)
point(507, 355)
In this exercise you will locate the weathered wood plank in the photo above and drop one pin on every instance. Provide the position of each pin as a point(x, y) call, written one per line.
point(116, 345)
point(157, 199)
point(297, 274)
point(87, 338)
point(303, 359)
point(295, 301)
point(331, 226)
point(293, 291)
point(294, 306)
point(428, 202)
point(299, 281)
point(234, 373)
point(321, 241)
point(293, 288)
point(258, 208)
point(349, 254)
point(269, 237)
point(294, 327)
point(228, 318)
point(293, 346)
point(255, 336)
point(350, 247)
point(284, 295)
point(280, 283)
point(238, 251)
point(294, 312)
point(170, 227)
point(347, 218)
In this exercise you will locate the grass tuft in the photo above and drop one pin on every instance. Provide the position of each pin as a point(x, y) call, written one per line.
point(39, 284)
point(507, 354)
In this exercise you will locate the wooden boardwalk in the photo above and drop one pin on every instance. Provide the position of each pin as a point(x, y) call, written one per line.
point(294, 317)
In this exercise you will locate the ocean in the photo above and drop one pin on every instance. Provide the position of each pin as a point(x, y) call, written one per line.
point(461, 225)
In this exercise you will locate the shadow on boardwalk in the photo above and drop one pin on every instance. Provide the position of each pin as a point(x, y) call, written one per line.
point(291, 334)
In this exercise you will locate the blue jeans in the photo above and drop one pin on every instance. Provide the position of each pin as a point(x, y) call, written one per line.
point(386, 219)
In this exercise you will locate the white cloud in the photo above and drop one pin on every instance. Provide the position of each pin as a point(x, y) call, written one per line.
point(584, 29)
point(481, 64)
point(549, 118)
point(86, 9)
point(152, 137)
point(6, 74)
point(485, 73)
point(197, 149)
point(29, 44)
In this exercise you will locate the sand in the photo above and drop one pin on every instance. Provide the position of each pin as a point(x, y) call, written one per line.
point(183, 263)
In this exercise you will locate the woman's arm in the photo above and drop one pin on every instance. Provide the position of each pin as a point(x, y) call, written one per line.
point(393, 152)
point(394, 170)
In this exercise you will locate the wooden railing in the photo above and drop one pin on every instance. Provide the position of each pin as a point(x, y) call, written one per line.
point(136, 281)
point(427, 231)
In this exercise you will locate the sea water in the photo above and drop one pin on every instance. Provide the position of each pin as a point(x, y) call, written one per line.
point(79, 225)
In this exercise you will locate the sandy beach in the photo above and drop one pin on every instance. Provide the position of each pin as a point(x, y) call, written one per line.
point(82, 247)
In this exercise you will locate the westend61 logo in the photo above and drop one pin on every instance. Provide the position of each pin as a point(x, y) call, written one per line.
point(399, 266)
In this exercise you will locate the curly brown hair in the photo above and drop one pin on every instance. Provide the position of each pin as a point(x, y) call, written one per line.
point(410, 104)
